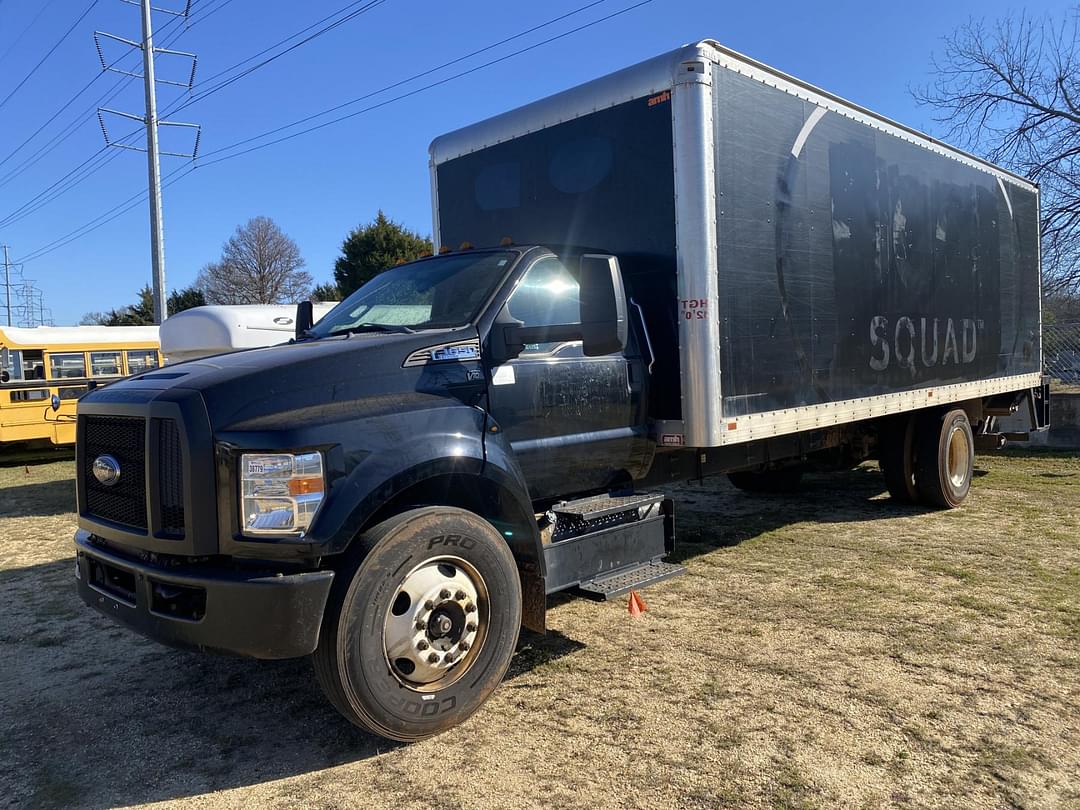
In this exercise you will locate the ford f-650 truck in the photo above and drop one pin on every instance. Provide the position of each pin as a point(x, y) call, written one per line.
point(695, 265)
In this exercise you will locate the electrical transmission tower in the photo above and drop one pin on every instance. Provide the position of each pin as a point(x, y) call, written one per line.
point(151, 123)
point(23, 302)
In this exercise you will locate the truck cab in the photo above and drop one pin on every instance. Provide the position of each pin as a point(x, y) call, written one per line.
point(223, 501)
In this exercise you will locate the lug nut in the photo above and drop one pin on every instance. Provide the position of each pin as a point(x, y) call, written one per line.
point(421, 645)
point(449, 658)
point(420, 625)
point(433, 658)
point(463, 646)
point(445, 594)
point(470, 628)
point(429, 605)
point(459, 595)
point(469, 608)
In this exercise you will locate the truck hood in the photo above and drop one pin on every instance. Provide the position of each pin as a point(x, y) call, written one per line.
point(250, 388)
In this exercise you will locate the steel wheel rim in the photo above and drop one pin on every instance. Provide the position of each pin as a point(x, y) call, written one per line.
point(957, 454)
point(436, 624)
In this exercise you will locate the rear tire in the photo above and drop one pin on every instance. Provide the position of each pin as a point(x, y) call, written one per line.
point(783, 480)
point(897, 458)
point(421, 629)
point(944, 458)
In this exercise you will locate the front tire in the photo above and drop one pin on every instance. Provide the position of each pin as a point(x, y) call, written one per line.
point(419, 632)
point(944, 458)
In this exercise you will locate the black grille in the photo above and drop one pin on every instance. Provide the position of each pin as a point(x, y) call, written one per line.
point(123, 438)
point(170, 463)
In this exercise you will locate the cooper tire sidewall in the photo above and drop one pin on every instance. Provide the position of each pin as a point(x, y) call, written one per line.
point(371, 689)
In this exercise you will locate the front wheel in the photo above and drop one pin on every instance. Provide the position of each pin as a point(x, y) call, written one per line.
point(419, 633)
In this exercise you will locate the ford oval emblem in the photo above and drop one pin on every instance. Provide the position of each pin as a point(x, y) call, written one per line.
point(282, 321)
point(106, 470)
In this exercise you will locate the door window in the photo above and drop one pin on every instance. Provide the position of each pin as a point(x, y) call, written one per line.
point(548, 295)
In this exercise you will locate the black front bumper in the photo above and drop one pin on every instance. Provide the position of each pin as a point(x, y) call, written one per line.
point(205, 608)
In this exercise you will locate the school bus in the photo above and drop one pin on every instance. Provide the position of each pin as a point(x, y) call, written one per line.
point(45, 361)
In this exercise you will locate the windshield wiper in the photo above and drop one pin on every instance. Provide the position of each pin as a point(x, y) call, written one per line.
point(375, 327)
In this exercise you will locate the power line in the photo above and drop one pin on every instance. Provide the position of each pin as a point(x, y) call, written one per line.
point(422, 74)
point(31, 207)
point(58, 188)
point(181, 172)
point(49, 53)
point(414, 92)
point(68, 130)
point(18, 39)
point(368, 6)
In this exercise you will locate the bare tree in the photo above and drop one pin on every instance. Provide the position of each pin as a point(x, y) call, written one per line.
point(1011, 92)
point(259, 265)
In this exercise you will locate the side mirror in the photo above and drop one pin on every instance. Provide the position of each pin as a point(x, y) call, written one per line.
point(305, 318)
point(603, 305)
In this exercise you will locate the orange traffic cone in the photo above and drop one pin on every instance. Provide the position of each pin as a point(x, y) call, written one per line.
point(637, 605)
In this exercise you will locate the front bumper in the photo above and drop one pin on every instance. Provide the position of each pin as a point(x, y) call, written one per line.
point(205, 608)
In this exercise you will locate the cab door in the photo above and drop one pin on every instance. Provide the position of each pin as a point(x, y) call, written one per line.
point(575, 423)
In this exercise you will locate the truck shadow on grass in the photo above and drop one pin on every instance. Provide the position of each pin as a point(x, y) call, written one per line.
point(95, 716)
point(846, 497)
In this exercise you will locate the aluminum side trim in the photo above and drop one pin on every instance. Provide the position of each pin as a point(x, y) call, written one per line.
point(794, 420)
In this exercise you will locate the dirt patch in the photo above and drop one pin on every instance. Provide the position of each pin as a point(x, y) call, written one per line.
point(824, 649)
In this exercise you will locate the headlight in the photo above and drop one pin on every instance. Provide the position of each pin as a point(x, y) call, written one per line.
point(280, 492)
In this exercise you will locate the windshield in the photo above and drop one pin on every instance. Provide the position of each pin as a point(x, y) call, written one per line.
point(436, 293)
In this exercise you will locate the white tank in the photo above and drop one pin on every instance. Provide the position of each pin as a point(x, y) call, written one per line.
point(203, 331)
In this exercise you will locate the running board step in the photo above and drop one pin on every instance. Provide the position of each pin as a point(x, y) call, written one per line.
point(601, 506)
point(635, 578)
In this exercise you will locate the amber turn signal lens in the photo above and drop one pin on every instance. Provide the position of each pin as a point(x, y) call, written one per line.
point(305, 486)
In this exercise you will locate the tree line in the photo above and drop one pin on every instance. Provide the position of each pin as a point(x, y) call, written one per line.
point(261, 264)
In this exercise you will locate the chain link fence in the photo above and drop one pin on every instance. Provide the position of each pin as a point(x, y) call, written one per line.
point(1061, 352)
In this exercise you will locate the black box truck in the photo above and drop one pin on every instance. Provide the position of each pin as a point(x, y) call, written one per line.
point(696, 265)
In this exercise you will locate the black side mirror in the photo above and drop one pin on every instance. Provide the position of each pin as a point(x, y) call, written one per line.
point(603, 305)
point(305, 318)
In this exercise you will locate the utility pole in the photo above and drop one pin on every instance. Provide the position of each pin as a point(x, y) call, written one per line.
point(151, 123)
point(7, 283)
point(157, 227)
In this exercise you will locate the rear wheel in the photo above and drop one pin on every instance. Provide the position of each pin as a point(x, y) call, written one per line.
point(785, 479)
point(419, 633)
point(897, 458)
point(944, 458)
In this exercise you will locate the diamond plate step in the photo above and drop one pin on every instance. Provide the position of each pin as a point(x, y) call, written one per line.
point(640, 576)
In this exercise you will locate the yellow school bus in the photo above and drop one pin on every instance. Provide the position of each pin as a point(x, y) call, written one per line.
point(45, 361)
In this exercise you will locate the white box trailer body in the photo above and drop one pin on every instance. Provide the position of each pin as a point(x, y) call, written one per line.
point(801, 261)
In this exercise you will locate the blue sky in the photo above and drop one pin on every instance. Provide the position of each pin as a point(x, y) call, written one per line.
point(319, 186)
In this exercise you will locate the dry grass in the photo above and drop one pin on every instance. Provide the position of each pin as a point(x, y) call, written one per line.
point(826, 649)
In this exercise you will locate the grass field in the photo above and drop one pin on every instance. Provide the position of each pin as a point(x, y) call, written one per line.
point(825, 649)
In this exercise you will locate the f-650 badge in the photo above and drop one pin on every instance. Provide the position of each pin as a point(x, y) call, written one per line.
point(455, 353)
